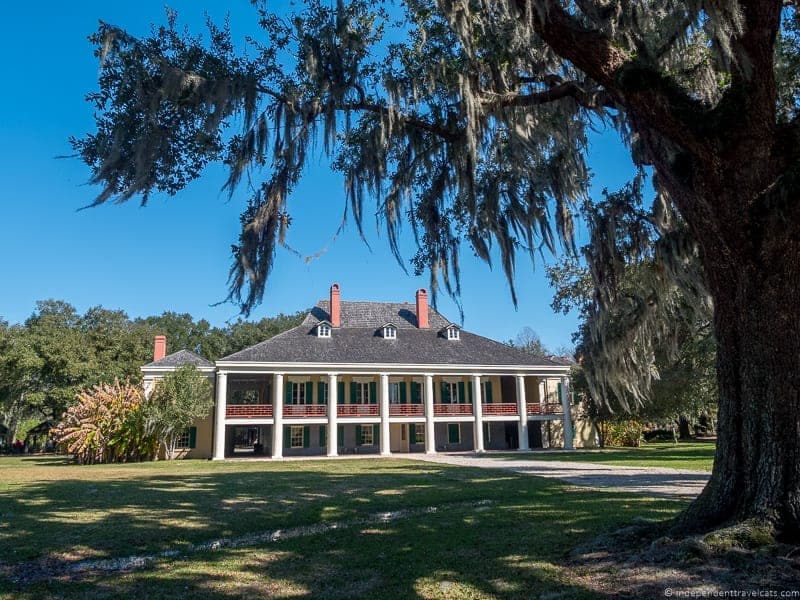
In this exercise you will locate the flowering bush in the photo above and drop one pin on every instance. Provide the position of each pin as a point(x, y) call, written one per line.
point(106, 425)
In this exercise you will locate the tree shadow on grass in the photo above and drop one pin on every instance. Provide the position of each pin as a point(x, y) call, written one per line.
point(509, 547)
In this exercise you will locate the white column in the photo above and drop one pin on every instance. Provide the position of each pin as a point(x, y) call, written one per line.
point(568, 444)
point(430, 440)
point(333, 426)
point(385, 431)
point(277, 416)
point(219, 415)
point(477, 410)
point(522, 409)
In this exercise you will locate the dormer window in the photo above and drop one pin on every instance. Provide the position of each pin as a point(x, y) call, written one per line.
point(324, 330)
point(453, 333)
point(389, 332)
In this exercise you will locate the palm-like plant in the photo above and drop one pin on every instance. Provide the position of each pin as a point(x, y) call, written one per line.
point(105, 425)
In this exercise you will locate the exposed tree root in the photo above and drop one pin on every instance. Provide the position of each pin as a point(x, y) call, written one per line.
point(646, 560)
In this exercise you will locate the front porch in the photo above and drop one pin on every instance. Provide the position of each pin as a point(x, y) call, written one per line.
point(295, 414)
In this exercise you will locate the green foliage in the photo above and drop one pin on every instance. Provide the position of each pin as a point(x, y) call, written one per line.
point(178, 399)
point(624, 432)
point(46, 361)
point(106, 425)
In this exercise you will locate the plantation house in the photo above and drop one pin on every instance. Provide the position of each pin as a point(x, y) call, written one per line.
point(370, 377)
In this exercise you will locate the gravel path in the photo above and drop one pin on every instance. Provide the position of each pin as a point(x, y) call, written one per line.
point(653, 481)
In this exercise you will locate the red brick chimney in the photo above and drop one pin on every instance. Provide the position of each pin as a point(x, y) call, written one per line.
point(159, 347)
point(422, 308)
point(336, 306)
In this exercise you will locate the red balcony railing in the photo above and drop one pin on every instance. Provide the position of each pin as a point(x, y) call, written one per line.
point(500, 408)
point(357, 410)
point(305, 410)
point(248, 410)
point(443, 410)
point(406, 410)
point(545, 409)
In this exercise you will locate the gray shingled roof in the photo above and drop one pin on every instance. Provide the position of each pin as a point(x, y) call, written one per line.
point(360, 340)
point(180, 358)
point(374, 314)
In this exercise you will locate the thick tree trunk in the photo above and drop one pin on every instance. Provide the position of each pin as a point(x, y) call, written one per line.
point(757, 321)
point(683, 428)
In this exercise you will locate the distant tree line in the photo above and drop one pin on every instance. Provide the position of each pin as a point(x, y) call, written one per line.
point(57, 353)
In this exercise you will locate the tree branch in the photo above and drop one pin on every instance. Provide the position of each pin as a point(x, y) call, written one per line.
point(366, 106)
point(644, 92)
point(569, 89)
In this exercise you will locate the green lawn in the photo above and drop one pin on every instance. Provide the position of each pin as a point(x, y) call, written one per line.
point(467, 533)
point(693, 456)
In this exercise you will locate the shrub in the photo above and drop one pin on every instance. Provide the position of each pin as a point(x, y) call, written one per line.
point(627, 433)
point(106, 425)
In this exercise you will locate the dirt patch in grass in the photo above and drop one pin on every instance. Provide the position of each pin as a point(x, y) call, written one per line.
point(641, 561)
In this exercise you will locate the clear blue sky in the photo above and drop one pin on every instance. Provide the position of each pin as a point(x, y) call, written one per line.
point(174, 254)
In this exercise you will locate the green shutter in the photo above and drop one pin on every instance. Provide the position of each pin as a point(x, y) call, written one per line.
point(306, 436)
point(402, 389)
point(352, 392)
point(376, 435)
point(192, 437)
point(373, 392)
point(288, 392)
point(415, 393)
point(320, 392)
point(558, 387)
point(340, 392)
point(462, 397)
point(488, 391)
point(358, 435)
point(340, 434)
point(412, 433)
point(287, 437)
point(323, 437)
point(485, 433)
point(453, 433)
point(469, 392)
point(309, 392)
point(445, 394)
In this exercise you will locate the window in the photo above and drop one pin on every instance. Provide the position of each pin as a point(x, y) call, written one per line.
point(323, 330)
point(394, 393)
point(450, 393)
point(298, 392)
point(416, 392)
point(296, 436)
point(389, 332)
point(452, 333)
point(453, 433)
point(182, 443)
point(362, 392)
point(367, 435)
point(486, 391)
point(419, 434)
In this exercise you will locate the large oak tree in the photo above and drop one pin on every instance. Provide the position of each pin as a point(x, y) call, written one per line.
point(468, 119)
